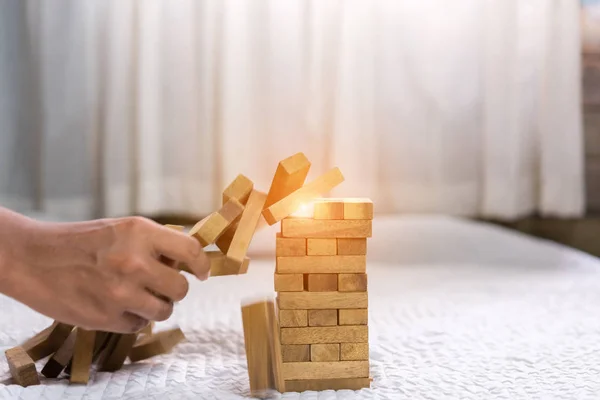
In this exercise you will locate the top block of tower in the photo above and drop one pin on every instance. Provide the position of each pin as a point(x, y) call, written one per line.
point(343, 208)
point(289, 177)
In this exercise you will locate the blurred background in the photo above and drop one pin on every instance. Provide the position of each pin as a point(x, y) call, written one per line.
point(482, 109)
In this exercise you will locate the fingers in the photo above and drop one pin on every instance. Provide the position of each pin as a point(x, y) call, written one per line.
point(182, 248)
point(149, 307)
point(165, 281)
point(128, 323)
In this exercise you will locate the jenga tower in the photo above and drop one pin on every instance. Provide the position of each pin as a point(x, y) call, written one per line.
point(322, 302)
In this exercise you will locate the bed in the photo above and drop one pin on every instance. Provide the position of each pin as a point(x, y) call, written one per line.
point(458, 310)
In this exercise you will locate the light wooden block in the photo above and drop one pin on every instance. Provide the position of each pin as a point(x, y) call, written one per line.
point(263, 348)
point(321, 282)
point(325, 352)
point(352, 246)
point(316, 228)
point(295, 352)
point(354, 317)
point(245, 231)
point(322, 317)
point(322, 265)
point(286, 247)
point(155, 344)
point(212, 227)
point(320, 247)
point(217, 265)
point(354, 351)
point(356, 209)
point(328, 209)
point(327, 384)
point(325, 334)
point(22, 367)
point(82, 356)
point(293, 318)
point(118, 349)
point(352, 282)
point(286, 206)
point(289, 177)
point(47, 341)
point(55, 365)
point(321, 300)
point(239, 189)
point(179, 228)
point(326, 370)
point(289, 282)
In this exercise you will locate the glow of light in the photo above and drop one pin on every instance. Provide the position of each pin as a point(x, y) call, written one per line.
point(304, 211)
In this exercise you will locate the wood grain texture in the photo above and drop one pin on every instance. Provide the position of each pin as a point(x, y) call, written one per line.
point(315, 228)
point(295, 352)
point(22, 367)
point(328, 209)
point(322, 317)
point(354, 351)
point(352, 282)
point(352, 246)
point(321, 265)
point(321, 300)
point(58, 362)
point(208, 230)
point(325, 352)
point(239, 189)
point(155, 344)
point(325, 334)
point(327, 384)
point(47, 341)
point(289, 177)
point(357, 208)
point(321, 282)
point(326, 370)
point(320, 247)
point(293, 318)
point(83, 353)
point(286, 247)
point(289, 282)
point(353, 317)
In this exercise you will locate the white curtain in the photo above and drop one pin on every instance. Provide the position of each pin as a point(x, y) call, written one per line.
point(116, 107)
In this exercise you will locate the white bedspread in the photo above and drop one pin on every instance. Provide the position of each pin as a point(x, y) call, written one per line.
point(458, 310)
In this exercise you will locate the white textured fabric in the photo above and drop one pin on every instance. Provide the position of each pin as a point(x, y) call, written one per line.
point(457, 310)
point(116, 107)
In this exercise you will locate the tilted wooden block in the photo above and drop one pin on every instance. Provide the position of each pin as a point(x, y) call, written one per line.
point(286, 206)
point(289, 177)
point(329, 209)
point(286, 247)
point(57, 363)
point(322, 317)
point(326, 370)
point(47, 341)
point(293, 318)
point(322, 265)
point(148, 329)
point(325, 334)
point(358, 208)
point(352, 282)
point(327, 384)
point(22, 367)
point(119, 348)
point(316, 228)
point(295, 352)
point(155, 344)
point(321, 300)
point(100, 344)
point(354, 351)
point(224, 241)
point(354, 317)
point(239, 189)
point(320, 247)
point(212, 227)
point(289, 282)
point(83, 353)
point(321, 282)
point(325, 352)
point(352, 246)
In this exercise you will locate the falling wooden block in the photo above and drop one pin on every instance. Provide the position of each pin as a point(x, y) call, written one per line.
point(354, 351)
point(321, 300)
point(322, 317)
point(289, 177)
point(320, 247)
point(353, 317)
point(83, 353)
point(325, 334)
point(286, 247)
point(239, 189)
point(293, 318)
point(326, 370)
point(289, 282)
point(327, 384)
point(22, 367)
point(263, 349)
point(321, 282)
point(57, 363)
point(322, 264)
point(352, 282)
point(352, 246)
point(119, 348)
point(325, 352)
point(224, 241)
point(286, 206)
point(356, 209)
point(315, 228)
point(212, 227)
point(328, 209)
point(295, 352)
point(155, 344)
point(47, 341)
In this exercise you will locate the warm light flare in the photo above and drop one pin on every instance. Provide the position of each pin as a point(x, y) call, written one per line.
point(305, 210)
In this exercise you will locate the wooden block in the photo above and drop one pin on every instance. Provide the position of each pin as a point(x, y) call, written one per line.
point(120, 347)
point(352, 282)
point(155, 344)
point(352, 246)
point(179, 228)
point(217, 265)
point(239, 189)
point(287, 205)
point(354, 351)
point(289, 177)
point(148, 329)
point(325, 334)
point(316, 228)
point(224, 241)
point(321, 282)
point(286, 247)
point(321, 300)
point(100, 344)
point(245, 231)
point(328, 209)
point(320, 247)
point(324, 352)
point(326, 370)
point(327, 384)
point(355, 209)
point(47, 341)
point(83, 353)
point(289, 282)
point(22, 367)
point(293, 318)
point(263, 349)
point(322, 317)
point(295, 352)
point(212, 227)
point(55, 365)
point(322, 265)
point(353, 317)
